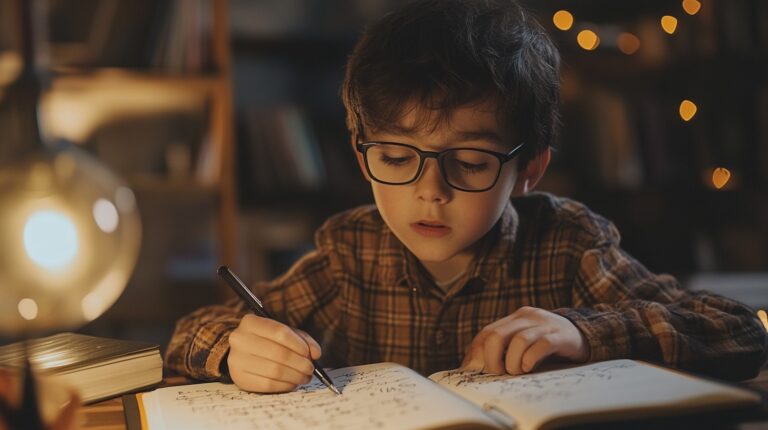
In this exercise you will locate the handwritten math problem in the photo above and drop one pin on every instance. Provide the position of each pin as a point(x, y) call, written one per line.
point(558, 385)
point(373, 398)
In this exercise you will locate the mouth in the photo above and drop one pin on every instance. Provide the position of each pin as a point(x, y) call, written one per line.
point(430, 228)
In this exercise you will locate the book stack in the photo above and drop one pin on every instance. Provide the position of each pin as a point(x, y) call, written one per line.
point(97, 368)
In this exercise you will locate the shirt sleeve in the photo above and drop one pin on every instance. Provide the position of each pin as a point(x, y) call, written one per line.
point(303, 296)
point(625, 311)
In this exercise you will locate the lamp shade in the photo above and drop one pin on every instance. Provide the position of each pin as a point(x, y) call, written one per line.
point(70, 235)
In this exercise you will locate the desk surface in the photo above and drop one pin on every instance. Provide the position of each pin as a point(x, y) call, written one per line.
point(108, 415)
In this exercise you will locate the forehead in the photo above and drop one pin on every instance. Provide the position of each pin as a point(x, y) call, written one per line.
point(418, 120)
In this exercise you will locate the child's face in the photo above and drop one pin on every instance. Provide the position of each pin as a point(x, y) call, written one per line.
point(435, 221)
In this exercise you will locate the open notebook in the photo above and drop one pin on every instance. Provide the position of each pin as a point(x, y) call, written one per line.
point(391, 396)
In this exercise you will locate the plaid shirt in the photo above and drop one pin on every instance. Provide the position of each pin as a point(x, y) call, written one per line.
point(365, 297)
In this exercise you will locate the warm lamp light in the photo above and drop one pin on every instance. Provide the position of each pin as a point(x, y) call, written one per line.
point(588, 40)
point(687, 110)
point(720, 177)
point(691, 7)
point(70, 229)
point(563, 20)
point(628, 43)
point(70, 240)
point(669, 24)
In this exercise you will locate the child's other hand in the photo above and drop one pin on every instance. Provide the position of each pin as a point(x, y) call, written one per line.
point(269, 357)
point(517, 343)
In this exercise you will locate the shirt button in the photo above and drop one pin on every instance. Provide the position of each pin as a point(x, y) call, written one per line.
point(439, 337)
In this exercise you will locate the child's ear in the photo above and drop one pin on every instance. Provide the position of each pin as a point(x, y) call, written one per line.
point(360, 160)
point(530, 176)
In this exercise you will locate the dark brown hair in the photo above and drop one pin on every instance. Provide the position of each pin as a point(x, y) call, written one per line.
point(442, 54)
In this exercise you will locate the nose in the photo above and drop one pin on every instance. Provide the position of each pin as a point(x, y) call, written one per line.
point(430, 185)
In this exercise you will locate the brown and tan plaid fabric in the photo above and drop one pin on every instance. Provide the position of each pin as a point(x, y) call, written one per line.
point(366, 299)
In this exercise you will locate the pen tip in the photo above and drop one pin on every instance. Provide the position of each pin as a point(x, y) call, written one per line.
point(335, 390)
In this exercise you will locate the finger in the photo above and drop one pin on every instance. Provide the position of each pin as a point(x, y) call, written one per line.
point(519, 343)
point(314, 347)
point(473, 357)
point(259, 384)
point(251, 345)
point(267, 368)
point(541, 349)
point(275, 331)
point(495, 342)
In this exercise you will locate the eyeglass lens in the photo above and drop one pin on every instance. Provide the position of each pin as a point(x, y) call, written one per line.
point(462, 168)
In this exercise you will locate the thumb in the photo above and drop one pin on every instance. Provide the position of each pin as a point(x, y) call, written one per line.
point(314, 348)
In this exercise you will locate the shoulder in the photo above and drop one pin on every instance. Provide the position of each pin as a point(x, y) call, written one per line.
point(549, 215)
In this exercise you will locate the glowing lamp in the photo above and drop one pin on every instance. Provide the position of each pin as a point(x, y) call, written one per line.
point(69, 227)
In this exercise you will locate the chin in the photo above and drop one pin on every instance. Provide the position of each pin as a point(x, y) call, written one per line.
point(431, 255)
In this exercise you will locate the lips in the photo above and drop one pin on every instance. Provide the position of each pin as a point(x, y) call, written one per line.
point(430, 228)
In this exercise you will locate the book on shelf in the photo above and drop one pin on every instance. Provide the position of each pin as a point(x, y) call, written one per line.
point(282, 150)
point(96, 367)
point(391, 396)
point(169, 35)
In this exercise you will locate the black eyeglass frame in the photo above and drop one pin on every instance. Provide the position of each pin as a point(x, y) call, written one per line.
point(363, 148)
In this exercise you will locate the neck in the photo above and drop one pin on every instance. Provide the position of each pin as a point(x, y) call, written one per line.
point(446, 271)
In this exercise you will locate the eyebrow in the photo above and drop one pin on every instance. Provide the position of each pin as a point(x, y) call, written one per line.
point(487, 135)
point(490, 136)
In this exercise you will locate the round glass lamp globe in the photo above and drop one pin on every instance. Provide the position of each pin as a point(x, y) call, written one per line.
point(70, 232)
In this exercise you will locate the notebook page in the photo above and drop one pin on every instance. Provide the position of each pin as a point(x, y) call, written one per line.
point(377, 396)
point(599, 388)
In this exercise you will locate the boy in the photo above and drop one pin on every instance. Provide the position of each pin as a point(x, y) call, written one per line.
point(452, 106)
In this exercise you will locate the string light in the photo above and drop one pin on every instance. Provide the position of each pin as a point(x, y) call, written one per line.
point(628, 43)
point(669, 23)
point(687, 110)
point(720, 177)
point(563, 20)
point(691, 7)
point(588, 40)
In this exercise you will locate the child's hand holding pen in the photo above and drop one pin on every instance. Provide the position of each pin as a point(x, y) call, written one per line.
point(266, 356)
point(269, 357)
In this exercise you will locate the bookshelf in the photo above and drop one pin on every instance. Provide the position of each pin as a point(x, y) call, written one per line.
point(288, 69)
point(146, 86)
point(626, 152)
point(624, 149)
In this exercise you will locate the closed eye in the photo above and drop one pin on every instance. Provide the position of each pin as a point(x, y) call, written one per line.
point(394, 161)
point(473, 168)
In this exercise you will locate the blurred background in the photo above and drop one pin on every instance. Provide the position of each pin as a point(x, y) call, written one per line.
point(225, 119)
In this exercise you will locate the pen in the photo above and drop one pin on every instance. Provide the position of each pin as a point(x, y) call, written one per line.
point(255, 304)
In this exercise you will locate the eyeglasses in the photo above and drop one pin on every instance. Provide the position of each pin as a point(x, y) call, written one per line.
point(465, 169)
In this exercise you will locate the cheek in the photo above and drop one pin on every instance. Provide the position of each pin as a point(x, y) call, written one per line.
point(485, 211)
point(389, 200)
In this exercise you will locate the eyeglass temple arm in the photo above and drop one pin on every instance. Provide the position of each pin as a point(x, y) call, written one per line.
point(511, 154)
